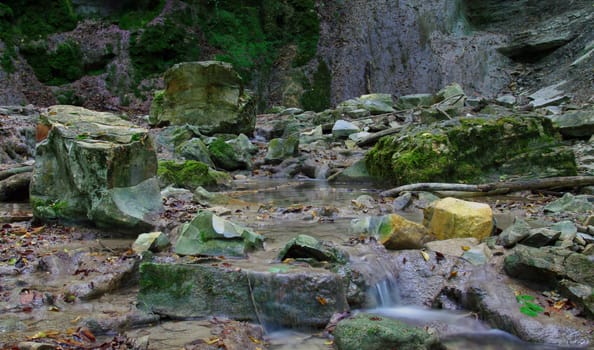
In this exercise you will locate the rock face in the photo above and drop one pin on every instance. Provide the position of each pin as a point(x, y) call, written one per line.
point(95, 166)
point(280, 296)
point(454, 218)
point(471, 149)
point(207, 94)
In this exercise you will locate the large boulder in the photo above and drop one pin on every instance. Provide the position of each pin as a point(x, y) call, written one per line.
point(209, 95)
point(471, 149)
point(454, 218)
point(95, 166)
point(190, 174)
point(393, 231)
point(277, 295)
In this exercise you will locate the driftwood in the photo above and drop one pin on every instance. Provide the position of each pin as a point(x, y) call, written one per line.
point(371, 139)
point(498, 187)
point(13, 171)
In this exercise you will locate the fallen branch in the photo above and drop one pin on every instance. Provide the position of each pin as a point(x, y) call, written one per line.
point(499, 187)
point(371, 139)
point(4, 174)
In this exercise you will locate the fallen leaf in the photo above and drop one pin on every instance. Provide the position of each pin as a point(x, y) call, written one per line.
point(87, 334)
point(255, 340)
point(329, 342)
point(453, 274)
point(425, 255)
point(212, 341)
point(465, 248)
point(439, 256)
point(321, 300)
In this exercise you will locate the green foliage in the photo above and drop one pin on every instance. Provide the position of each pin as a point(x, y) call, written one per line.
point(59, 67)
point(527, 306)
point(137, 14)
point(36, 19)
point(317, 98)
point(69, 97)
point(158, 47)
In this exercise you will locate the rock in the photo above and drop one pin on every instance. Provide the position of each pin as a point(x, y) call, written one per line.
point(374, 103)
point(79, 175)
point(477, 255)
point(208, 234)
point(580, 294)
point(366, 331)
point(15, 188)
point(393, 231)
point(30, 345)
point(342, 129)
point(283, 295)
point(356, 173)
point(548, 96)
point(506, 100)
point(453, 246)
point(549, 265)
point(540, 237)
point(291, 111)
point(152, 241)
point(402, 201)
point(566, 228)
point(570, 203)
point(195, 149)
point(209, 95)
point(190, 174)
point(471, 149)
point(453, 218)
point(412, 101)
point(575, 124)
point(314, 134)
point(448, 103)
point(230, 155)
point(514, 233)
point(172, 137)
point(279, 149)
point(310, 249)
point(315, 169)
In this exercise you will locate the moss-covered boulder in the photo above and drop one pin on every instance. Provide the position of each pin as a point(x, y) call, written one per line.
point(95, 166)
point(209, 234)
point(209, 95)
point(366, 331)
point(281, 148)
point(279, 294)
point(231, 154)
point(195, 149)
point(190, 174)
point(471, 149)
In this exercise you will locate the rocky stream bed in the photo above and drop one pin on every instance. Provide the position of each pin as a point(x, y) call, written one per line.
point(146, 233)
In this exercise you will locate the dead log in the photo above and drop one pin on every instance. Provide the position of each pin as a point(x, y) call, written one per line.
point(6, 173)
point(371, 139)
point(498, 187)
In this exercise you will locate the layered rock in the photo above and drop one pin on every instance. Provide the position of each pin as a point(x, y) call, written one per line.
point(209, 95)
point(471, 149)
point(97, 167)
point(454, 218)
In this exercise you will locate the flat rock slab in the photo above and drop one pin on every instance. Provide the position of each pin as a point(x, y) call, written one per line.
point(281, 295)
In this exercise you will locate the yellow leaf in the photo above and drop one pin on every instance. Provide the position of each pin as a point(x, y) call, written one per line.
point(321, 300)
point(254, 340)
point(329, 342)
point(288, 261)
point(212, 341)
point(425, 255)
point(465, 248)
point(559, 305)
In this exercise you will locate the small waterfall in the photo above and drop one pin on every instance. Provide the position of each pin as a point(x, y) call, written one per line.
point(385, 293)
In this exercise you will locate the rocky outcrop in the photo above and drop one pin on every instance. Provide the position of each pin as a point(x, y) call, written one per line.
point(281, 295)
point(209, 95)
point(472, 149)
point(95, 166)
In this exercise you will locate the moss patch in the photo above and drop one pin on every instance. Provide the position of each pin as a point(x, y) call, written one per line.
point(317, 97)
point(189, 174)
point(57, 67)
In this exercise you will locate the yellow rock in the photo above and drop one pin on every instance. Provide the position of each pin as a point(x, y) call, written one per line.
point(453, 218)
point(396, 232)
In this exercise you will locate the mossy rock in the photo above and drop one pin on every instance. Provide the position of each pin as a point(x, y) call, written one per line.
point(227, 157)
point(190, 174)
point(372, 332)
point(472, 149)
point(310, 249)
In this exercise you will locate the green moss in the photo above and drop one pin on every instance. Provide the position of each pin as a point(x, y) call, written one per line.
point(157, 47)
point(317, 98)
point(471, 150)
point(57, 67)
point(189, 174)
point(223, 155)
